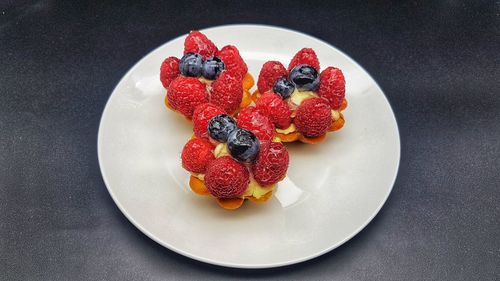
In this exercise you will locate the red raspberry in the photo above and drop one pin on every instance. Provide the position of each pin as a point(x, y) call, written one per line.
point(271, 164)
point(197, 42)
point(314, 117)
point(185, 93)
point(232, 60)
point(196, 155)
point(275, 108)
point(169, 70)
point(227, 92)
point(201, 116)
point(332, 86)
point(269, 73)
point(251, 119)
point(304, 56)
point(226, 178)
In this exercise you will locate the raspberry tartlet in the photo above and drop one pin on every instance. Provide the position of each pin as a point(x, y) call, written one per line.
point(231, 163)
point(206, 74)
point(303, 103)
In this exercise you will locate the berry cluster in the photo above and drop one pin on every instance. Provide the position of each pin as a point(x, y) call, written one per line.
point(227, 176)
point(321, 94)
point(204, 74)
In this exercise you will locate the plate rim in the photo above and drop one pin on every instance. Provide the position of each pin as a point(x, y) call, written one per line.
point(239, 265)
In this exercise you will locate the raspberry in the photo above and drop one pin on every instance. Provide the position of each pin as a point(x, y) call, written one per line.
point(169, 70)
point(227, 92)
point(251, 119)
point(226, 178)
point(233, 61)
point(197, 42)
point(196, 155)
point(304, 56)
point(185, 93)
point(271, 164)
point(270, 72)
point(275, 108)
point(332, 86)
point(314, 117)
point(201, 116)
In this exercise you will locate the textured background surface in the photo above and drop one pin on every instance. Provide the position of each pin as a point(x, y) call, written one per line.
point(438, 64)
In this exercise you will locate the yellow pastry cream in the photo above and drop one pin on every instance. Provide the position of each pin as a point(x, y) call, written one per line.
point(335, 115)
point(257, 191)
point(298, 97)
point(199, 176)
point(288, 130)
point(221, 150)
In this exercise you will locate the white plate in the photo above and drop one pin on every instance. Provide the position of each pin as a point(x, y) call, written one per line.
point(332, 191)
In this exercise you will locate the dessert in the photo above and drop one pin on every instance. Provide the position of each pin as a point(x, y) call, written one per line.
point(303, 103)
point(206, 74)
point(231, 163)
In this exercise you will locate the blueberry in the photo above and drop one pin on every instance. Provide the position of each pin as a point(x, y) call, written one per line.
point(243, 145)
point(212, 67)
point(283, 87)
point(191, 65)
point(305, 77)
point(220, 126)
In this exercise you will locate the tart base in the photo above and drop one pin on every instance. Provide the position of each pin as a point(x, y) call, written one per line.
point(198, 187)
point(230, 203)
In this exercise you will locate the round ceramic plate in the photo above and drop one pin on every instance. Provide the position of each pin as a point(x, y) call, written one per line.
point(332, 190)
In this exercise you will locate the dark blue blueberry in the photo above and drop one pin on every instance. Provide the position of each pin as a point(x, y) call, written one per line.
point(243, 145)
point(284, 87)
point(212, 67)
point(191, 65)
point(305, 77)
point(220, 126)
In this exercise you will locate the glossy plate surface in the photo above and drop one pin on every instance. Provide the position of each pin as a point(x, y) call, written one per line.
point(332, 191)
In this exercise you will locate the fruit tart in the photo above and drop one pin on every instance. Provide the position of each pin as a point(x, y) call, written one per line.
point(231, 163)
point(303, 103)
point(205, 74)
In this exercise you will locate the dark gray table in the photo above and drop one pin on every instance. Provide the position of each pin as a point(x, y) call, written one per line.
point(438, 63)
